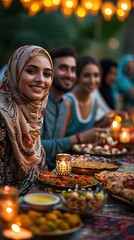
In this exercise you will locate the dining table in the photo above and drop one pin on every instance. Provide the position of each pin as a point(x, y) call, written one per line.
point(114, 221)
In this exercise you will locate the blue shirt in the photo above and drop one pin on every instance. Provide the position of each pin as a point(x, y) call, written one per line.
point(52, 141)
point(77, 124)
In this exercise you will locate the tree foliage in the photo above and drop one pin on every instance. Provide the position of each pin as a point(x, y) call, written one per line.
point(51, 30)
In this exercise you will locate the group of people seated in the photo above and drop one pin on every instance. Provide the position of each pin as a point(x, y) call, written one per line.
point(49, 102)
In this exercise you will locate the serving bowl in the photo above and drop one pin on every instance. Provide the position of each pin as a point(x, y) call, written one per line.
point(41, 201)
point(54, 224)
point(83, 201)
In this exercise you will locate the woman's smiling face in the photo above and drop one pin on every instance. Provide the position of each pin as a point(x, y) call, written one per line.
point(90, 78)
point(36, 78)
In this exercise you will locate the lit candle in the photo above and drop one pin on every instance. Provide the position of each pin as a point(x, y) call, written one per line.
point(124, 136)
point(63, 164)
point(15, 232)
point(115, 126)
point(8, 204)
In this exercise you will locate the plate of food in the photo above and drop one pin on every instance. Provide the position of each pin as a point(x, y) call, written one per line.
point(118, 183)
point(92, 167)
point(49, 179)
point(105, 146)
point(99, 149)
point(54, 224)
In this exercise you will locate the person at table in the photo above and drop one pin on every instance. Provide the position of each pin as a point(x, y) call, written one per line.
point(125, 81)
point(107, 91)
point(81, 102)
point(109, 72)
point(64, 60)
point(24, 95)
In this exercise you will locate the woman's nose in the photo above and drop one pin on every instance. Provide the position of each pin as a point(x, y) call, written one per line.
point(39, 77)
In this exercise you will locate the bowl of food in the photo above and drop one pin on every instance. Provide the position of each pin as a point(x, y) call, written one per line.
point(83, 201)
point(54, 224)
point(41, 201)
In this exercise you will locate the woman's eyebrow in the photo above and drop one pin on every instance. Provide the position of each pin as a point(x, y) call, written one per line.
point(34, 66)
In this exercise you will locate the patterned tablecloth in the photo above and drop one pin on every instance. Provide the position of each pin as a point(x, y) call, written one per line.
point(115, 221)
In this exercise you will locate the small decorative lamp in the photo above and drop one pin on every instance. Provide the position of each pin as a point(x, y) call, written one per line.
point(115, 126)
point(63, 164)
point(15, 232)
point(8, 204)
point(124, 135)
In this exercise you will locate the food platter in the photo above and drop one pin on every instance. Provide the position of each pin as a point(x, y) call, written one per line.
point(44, 185)
point(60, 235)
point(119, 184)
point(91, 167)
point(66, 182)
point(51, 224)
point(87, 171)
point(105, 150)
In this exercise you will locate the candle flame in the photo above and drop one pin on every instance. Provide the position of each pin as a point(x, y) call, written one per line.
point(7, 188)
point(9, 210)
point(115, 124)
point(124, 134)
point(63, 163)
point(15, 228)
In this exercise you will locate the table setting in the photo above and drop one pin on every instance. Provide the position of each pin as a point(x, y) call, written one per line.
point(87, 196)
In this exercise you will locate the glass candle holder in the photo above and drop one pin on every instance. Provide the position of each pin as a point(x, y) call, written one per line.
point(63, 164)
point(115, 126)
point(124, 135)
point(9, 204)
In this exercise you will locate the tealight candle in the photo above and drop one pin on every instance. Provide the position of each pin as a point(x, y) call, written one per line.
point(63, 164)
point(15, 232)
point(115, 126)
point(8, 204)
point(124, 136)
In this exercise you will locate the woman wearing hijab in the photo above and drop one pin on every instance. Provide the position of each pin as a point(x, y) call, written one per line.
point(125, 80)
point(23, 94)
point(109, 71)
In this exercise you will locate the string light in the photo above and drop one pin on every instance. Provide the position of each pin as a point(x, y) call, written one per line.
point(108, 10)
point(6, 3)
point(81, 8)
point(80, 12)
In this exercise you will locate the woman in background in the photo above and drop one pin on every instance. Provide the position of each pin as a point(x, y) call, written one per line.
point(81, 102)
point(125, 81)
point(24, 94)
point(109, 71)
point(108, 91)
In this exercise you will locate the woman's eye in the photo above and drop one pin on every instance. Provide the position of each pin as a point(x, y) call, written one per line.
point(30, 71)
point(47, 74)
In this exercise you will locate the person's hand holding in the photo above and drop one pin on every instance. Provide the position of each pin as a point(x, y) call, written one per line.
point(106, 121)
point(91, 135)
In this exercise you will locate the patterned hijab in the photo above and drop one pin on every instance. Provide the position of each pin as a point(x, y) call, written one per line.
point(23, 116)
